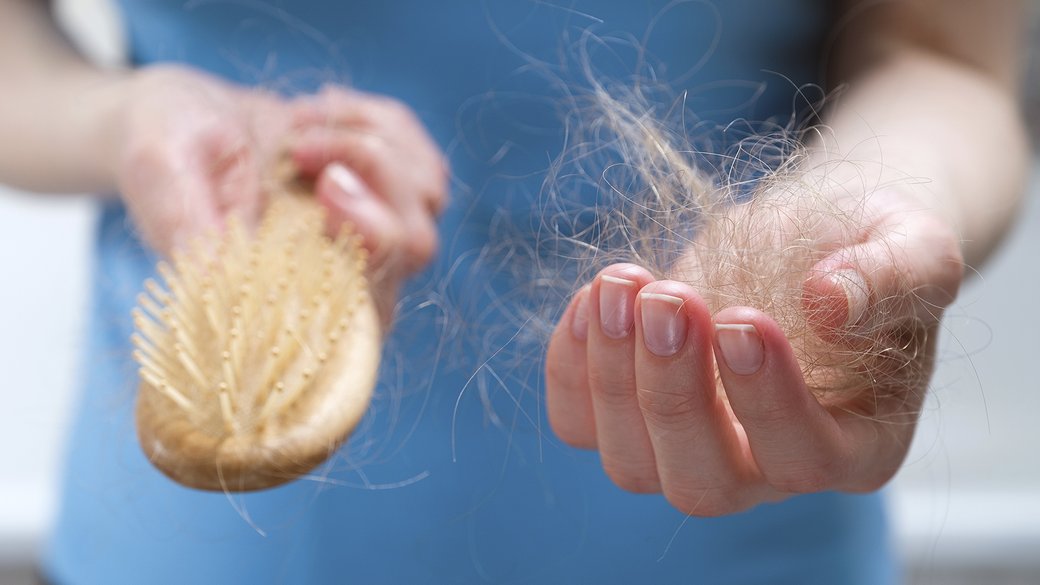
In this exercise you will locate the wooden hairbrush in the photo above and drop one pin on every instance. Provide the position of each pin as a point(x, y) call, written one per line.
point(258, 354)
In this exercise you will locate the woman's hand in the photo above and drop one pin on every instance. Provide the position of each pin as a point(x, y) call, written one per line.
point(195, 149)
point(714, 410)
point(376, 167)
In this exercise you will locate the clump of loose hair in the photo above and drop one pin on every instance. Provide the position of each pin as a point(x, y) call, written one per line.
point(739, 213)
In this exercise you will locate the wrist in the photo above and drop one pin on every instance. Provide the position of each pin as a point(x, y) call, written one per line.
point(884, 178)
point(102, 119)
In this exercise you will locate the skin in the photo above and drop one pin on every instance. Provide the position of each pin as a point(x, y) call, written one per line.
point(185, 150)
point(929, 94)
point(926, 132)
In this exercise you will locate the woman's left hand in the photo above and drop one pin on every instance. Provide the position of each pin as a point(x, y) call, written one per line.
point(376, 168)
point(713, 410)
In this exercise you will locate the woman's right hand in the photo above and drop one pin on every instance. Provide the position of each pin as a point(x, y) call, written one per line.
point(191, 151)
point(194, 149)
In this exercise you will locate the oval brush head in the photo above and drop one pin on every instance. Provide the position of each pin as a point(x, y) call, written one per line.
point(258, 354)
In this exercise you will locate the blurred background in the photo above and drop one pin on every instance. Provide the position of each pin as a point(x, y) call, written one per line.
point(966, 507)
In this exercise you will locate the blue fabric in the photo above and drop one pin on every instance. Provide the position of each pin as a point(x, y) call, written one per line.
point(445, 482)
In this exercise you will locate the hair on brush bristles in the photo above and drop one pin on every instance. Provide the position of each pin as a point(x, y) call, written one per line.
point(258, 354)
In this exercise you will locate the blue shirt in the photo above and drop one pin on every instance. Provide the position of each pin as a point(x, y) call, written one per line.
point(446, 481)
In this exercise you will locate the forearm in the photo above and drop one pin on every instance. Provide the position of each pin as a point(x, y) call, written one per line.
point(57, 130)
point(948, 133)
point(929, 104)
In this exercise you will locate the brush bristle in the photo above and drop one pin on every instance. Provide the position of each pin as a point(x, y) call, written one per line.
point(243, 342)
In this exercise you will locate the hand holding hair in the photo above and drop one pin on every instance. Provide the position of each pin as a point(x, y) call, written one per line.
point(686, 390)
point(791, 350)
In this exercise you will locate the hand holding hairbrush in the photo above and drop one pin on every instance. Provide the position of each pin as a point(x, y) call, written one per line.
point(258, 352)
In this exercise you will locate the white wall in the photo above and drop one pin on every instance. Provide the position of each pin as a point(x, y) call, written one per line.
point(970, 490)
point(43, 268)
point(44, 263)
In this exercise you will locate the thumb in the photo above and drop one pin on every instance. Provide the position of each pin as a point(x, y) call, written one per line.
point(908, 269)
point(170, 203)
point(229, 163)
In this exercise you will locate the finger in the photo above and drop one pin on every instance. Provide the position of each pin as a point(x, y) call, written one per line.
point(400, 172)
point(365, 152)
point(797, 444)
point(344, 109)
point(701, 462)
point(348, 200)
point(337, 110)
point(228, 160)
point(567, 396)
point(387, 173)
point(621, 435)
point(909, 269)
point(338, 106)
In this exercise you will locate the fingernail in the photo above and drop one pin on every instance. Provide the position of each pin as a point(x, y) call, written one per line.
point(741, 347)
point(347, 182)
point(616, 296)
point(855, 287)
point(664, 323)
point(580, 320)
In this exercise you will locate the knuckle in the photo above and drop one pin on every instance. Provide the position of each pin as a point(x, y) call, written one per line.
point(334, 90)
point(637, 478)
point(929, 283)
point(767, 416)
point(384, 245)
point(807, 477)
point(573, 438)
point(571, 432)
point(362, 154)
point(333, 98)
point(390, 111)
point(873, 483)
point(877, 478)
point(706, 502)
point(869, 486)
point(369, 146)
point(436, 196)
point(949, 266)
point(397, 109)
point(612, 388)
point(669, 409)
